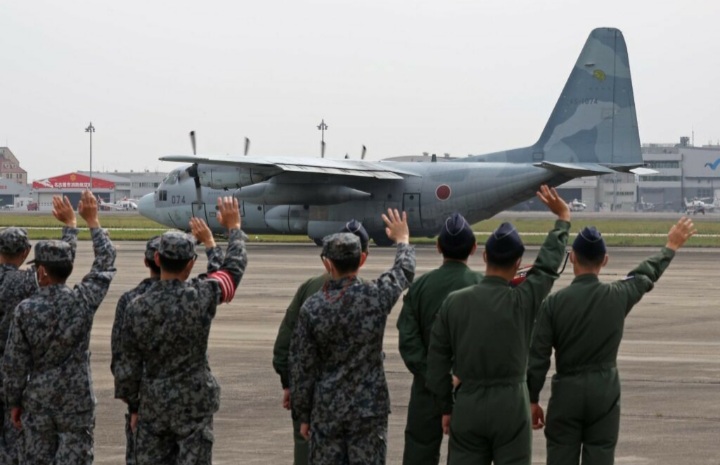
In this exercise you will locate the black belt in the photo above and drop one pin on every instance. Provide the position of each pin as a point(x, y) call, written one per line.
point(587, 368)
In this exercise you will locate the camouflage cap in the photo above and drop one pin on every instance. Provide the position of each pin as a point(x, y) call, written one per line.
point(177, 245)
point(13, 240)
point(52, 252)
point(341, 246)
point(152, 246)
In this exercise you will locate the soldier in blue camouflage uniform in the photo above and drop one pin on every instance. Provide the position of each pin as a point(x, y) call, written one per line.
point(282, 342)
point(215, 257)
point(337, 380)
point(163, 371)
point(423, 430)
point(15, 286)
point(48, 385)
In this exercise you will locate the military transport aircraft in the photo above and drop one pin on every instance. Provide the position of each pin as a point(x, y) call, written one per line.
point(592, 131)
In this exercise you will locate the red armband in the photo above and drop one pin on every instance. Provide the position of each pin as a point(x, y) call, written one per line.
point(227, 285)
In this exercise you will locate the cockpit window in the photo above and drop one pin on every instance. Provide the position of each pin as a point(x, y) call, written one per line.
point(171, 178)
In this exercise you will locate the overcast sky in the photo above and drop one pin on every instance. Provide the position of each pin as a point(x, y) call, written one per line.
point(401, 77)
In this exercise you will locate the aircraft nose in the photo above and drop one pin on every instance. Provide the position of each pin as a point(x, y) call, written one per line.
point(146, 206)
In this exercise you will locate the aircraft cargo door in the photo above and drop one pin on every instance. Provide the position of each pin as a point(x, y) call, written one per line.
point(411, 205)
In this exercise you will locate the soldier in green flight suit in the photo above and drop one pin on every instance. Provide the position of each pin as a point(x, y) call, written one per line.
point(584, 324)
point(282, 342)
point(423, 431)
point(482, 335)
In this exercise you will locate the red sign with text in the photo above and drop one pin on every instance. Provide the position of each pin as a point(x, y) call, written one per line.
point(73, 181)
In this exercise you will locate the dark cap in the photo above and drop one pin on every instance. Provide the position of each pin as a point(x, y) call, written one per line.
point(53, 252)
point(504, 244)
point(13, 240)
point(589, 243)
point(341, 246)
point(456, 233)
point(355, 227)
point(177, 245)
point(152, 246)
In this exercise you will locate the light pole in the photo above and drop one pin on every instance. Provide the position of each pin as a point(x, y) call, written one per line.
point(322, 127)
point(90, 129)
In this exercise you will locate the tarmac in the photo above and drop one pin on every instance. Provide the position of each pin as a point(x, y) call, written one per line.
point(669, 360)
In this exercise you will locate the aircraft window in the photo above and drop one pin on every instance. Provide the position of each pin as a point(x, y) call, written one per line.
point(162, 196)
point(171, 178)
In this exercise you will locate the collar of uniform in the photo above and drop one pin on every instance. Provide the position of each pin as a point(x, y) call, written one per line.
point(340, 283)
point(453, 264)
point(586, 278)
point(495, 280)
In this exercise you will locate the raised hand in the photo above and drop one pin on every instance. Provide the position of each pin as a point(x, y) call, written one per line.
point(63, 211)
point(396, 226)
point(680, 232)
point(550, 197)
point(202, 232)
point(228, 212)
point(88, 209)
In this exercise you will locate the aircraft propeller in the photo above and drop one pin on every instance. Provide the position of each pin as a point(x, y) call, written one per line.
point(193, 170)
point(362, 155)
point(247, 146)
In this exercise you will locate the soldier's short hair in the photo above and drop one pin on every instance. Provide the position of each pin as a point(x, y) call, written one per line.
point(152, 246)
point(59, 272)
point(13, 241)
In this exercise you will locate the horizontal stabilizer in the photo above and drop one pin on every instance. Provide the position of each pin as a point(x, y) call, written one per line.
point(576, 169)
point(643, 171)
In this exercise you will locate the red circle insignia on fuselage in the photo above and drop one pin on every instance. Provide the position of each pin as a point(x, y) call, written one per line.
point(443, 192)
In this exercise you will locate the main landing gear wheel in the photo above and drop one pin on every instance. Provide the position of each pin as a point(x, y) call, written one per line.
point(318, 241)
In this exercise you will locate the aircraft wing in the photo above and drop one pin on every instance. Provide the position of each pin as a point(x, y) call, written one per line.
point(271, 166)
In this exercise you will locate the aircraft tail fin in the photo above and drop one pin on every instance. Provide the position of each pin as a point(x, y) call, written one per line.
point(594, 120)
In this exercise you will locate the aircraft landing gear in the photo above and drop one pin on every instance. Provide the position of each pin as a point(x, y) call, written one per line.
point(318, 241)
